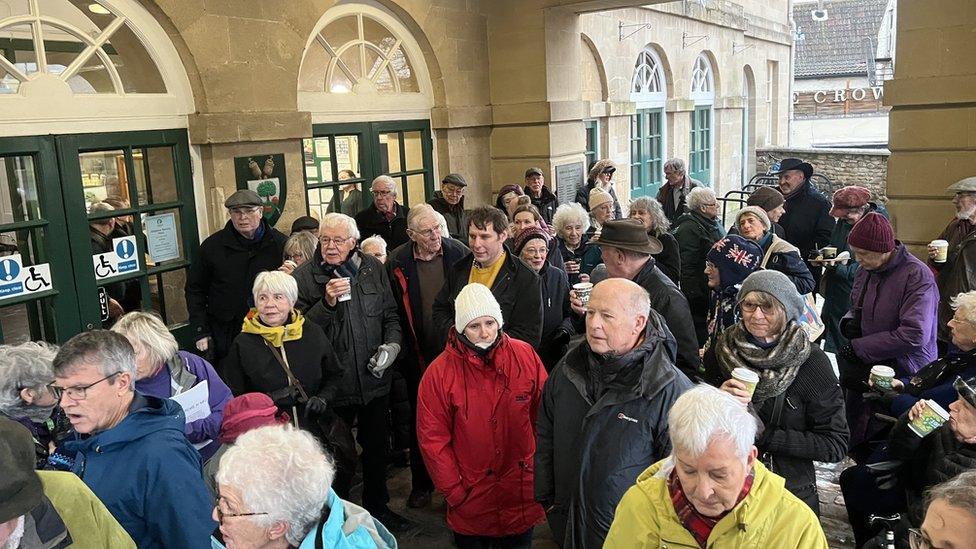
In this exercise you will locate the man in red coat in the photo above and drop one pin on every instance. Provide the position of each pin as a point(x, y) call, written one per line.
point(476, 412)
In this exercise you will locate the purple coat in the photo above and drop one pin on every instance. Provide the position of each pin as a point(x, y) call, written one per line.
point(160, 386)
point(899, 314)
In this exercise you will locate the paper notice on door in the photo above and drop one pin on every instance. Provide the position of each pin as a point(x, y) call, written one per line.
point(195, 402)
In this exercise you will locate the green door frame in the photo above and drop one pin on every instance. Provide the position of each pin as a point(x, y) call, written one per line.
point(646, 152)
point(700, 164)
point(62, 315)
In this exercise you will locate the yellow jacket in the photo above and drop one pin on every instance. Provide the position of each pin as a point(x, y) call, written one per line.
point(90, 524)
point(769, 516)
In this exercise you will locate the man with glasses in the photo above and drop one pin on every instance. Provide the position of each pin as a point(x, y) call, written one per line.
point(542, 198)
point(218, 286)
point(384, 216)
point(348, 294)
point(957, 274)
point(417, 272)
point(449, 202)
point(136, 457)
point(674, 192)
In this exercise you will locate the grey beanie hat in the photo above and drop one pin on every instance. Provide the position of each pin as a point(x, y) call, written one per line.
point(756, 211)
point(777, 285)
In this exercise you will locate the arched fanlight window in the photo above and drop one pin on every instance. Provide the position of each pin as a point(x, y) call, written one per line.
point(357, 53)
point(90, 46)
point(702, 81)
point(648, 85)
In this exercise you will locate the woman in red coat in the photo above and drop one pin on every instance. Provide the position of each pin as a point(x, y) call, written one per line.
point(476, 412)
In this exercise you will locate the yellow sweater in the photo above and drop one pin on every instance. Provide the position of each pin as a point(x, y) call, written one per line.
point(486, 275)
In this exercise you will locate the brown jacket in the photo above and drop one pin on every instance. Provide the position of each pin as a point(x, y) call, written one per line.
point(957, 274)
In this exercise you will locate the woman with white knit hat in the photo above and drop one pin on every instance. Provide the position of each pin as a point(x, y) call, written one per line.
point(778, 254)
point(476, 411)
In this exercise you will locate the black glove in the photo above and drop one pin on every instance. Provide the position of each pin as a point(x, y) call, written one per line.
point(847, 353)
point(316, 405)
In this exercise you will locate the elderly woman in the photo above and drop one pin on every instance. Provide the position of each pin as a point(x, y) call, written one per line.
point(299, 248)
point(797, 396)
point(727, 265)
point(600, 177)
point(274, 491)
point(651, 214)
point(778, 254)
point(25, 373)
point(163, 371)
point(531, 246)
point(508, 199)
point(601, 210)
point(850, 204)
point(696, 231)
point(281, 355)
point(374, 246)
point(572, 224)
point(526, 216)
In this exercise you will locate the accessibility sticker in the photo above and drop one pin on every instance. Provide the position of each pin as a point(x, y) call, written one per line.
point(17, 279)
point(123, 258)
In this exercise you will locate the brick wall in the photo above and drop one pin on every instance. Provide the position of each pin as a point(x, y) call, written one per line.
point(864, 167)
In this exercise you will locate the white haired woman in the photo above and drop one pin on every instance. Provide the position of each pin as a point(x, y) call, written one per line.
point(25, 373)
point(163, 371)
point(299, 248)
point(281, 355)
point(797, 396)
point(572, 224)
point(651, 214)
point(712, 491)
point(274, 491)
point(778, 254)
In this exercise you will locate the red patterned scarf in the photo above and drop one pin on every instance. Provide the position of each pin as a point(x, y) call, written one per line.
point(699, 525)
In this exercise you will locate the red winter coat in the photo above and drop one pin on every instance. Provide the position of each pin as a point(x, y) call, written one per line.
point(476, 427)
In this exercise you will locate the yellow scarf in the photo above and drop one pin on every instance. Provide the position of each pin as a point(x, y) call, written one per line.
point(278, 335)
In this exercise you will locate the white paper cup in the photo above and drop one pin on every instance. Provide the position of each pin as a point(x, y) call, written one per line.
point(829, 252)
point(942, 248)
point(348, 295)
point(583, 290)
point(747, 377)
point(881, 377)
point(931, 418)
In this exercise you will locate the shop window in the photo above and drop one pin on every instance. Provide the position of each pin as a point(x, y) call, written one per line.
point(86, 44)
point(357, 53)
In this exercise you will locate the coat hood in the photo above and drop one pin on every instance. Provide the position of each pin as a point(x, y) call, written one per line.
point(348, 526)
point(147, 415)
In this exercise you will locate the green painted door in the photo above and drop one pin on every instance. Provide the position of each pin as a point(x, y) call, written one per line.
point(646, 152)
point(701, 145)
point(149, 174)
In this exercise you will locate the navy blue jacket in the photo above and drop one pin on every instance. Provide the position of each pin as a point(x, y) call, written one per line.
point(148, 476)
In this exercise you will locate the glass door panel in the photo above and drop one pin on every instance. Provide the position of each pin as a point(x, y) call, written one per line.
point(333, 174)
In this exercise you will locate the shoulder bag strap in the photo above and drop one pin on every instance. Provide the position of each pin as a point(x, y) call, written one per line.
point(283, 360)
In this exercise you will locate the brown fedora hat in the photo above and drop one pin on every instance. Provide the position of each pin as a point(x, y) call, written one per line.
point(628, 234)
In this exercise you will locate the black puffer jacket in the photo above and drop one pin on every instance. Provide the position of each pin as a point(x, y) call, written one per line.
point(667, 300)
point(516, 288)
point(812, 425)
point(590, 450)
point(927, 461)
point(808, 223)
point(669, 260)
point(371, 222)
point(557, 326)
point(356, 328)
point(696, 234)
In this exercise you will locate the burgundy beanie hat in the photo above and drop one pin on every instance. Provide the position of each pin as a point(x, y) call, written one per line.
point(873, 233)
point(528, 234)
point(246, 412)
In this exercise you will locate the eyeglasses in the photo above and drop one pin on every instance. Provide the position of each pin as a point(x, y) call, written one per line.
point(451, 189)
point(242, 212)
point(79, 392)
point(535, 251)
point(918, 540)
point(222, 515)
point(326, 241)
point(750, 307)
point(427, 233)
point(382, 193)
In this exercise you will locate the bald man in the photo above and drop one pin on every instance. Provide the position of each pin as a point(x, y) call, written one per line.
point(604, 413)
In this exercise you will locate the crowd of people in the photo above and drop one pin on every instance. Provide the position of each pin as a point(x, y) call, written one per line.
point(650, 381)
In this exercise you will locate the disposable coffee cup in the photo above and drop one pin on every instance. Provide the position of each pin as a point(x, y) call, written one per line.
point(829, 252)
point(881, 377)
point(747, 377)
point(942, 250)
point(346, 296)
point(931, 418)
point(583, 290)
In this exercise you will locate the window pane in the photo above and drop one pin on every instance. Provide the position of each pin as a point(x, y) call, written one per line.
point(416, 191)
point(319, 201)
point(375, 33)
point(135, 66)
point(347, 155)
point(168, 299)
point(314, 67)
point(31, 321)
point(413, 144)
point(341, 31)
point(103, 175)
point(18, 190)
point(155, 175)
point(390, 153)
point(400, 66)
point(352, 60)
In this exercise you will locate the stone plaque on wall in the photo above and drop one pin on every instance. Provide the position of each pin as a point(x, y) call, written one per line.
point(568, 178)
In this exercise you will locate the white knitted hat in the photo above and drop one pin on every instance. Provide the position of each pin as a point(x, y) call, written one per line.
point(474, 301)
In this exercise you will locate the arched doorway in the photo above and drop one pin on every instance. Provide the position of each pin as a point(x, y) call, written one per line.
point(648, 136)
point(93, 105)
point(365, 81)
point(703, 94)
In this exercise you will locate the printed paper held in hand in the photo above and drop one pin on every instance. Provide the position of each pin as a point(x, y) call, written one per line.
point(195, 402)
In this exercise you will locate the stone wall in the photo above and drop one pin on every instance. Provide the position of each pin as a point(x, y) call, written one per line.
point(864, 167)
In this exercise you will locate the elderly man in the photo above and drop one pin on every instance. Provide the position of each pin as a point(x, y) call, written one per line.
point(449, 202)
point(696, 231)
point(50, 508)
point(348, 294)
point(160, 499)
point(417, 271)
point(626, 249)
point(384, 216)
point(25, 372)
point(602, 419)
point(712, 491)
point(512, 282)
point(674, 193)
point(218, 287)
point(957, 274)
point(542, 198)
point(807, 220)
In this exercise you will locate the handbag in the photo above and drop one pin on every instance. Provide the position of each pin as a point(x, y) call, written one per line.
point(293, 383)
